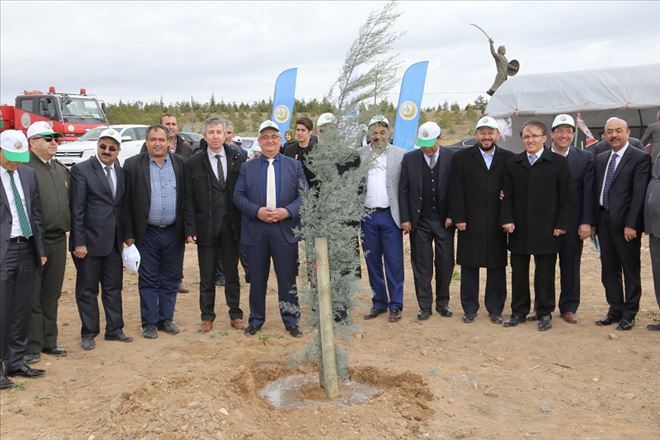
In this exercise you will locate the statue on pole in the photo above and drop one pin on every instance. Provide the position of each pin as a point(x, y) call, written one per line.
point(505, 68)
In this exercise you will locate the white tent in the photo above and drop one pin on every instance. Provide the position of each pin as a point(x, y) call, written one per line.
point(631, 93)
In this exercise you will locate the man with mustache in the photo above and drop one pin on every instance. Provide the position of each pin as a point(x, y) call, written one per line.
point(382, 237)
point(621, 177)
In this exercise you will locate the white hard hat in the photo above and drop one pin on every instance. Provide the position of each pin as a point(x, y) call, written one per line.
point(325, 119)
point(268, 124)
point(428, 134)
point(489, 122)
point(563, 120)
point(42, 128)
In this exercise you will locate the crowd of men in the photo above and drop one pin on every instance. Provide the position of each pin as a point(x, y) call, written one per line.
point(543, 202)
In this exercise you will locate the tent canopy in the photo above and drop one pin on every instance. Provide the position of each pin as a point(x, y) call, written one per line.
point(635, 87)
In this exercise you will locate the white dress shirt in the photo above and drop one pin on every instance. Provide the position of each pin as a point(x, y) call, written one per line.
point(214, 162)
point(488, 156)
point(6, 184)
point(377, 184)
point(113, 173)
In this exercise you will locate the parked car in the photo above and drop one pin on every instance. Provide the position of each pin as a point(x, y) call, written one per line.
point(192, 138)
point(132, 138)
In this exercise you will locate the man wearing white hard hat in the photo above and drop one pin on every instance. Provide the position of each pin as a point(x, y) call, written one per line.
point(424, 208)
point(381, 229)
point(96, 240)
point(581, 213)
point(269, 213)
point(474, 205)
point(21, 252)
point(53, 178)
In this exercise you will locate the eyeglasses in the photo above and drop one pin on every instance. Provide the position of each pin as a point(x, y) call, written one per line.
point(110, 148)
point(50, 138)
point(528, 137)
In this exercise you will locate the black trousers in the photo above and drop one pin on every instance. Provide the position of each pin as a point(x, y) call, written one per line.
point(430, 235)
point(544, 284)
point(495, 289)
point(570, 255)
point(654, 246)
point(46, 292)
point(616, 256)
point(108, 272)
point(223, 247)
point(16, 278)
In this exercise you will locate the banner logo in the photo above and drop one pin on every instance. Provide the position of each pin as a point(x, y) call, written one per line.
point(408, 110)
point(282, 114)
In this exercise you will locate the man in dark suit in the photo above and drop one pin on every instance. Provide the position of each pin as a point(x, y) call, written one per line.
point(652, 225)
point(580, 214)
point(474, 206)
point(213, 222)
point(176, 144)
point(620, 185)
point(96, 239)
point(22, 250)
point(423, 207)
point(269, 194)
point(154, 203)
point(534, 214)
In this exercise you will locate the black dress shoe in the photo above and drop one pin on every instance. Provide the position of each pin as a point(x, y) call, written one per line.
point(5, 382)
point(31, 358)
point(513, 321)
point(626, 324)
point(56, 351)
point(251, 331)
point(295, 332)
point(607, 320)
point(495, 318)
point(27, 372)
point(469, 317)
point(444, 311)
point(545, 323)
point(149, 331)
point(423, 315)
point(395, 315)
point(88, 344)
point(373, 312)
point(655, 327)
point(168, 327)
point(119, 337)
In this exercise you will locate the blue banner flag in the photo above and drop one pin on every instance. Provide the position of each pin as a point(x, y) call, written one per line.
point(410, 104)
point(283, 98)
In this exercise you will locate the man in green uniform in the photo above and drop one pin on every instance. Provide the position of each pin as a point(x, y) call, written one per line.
point(53, 179)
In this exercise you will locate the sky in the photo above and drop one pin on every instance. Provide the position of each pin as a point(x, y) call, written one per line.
point(145, 50)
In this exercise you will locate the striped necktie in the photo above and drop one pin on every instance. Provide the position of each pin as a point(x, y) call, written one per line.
point(23, 220)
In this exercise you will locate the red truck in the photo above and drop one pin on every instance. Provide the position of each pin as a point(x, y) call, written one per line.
point(69, 113)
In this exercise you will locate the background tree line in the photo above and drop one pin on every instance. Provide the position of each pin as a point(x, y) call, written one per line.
point(456, 122)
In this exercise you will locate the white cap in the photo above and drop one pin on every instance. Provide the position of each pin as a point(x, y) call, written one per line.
point(112, 134)
point(428, 134)
point(379, 119)
point(14, 146)
point(42, 128)
point(489, 122)
point(237, 140)
point(268, 124)
point(325, 119)
point(563, 120)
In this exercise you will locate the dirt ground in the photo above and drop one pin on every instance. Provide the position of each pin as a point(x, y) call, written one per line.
point(441, 379)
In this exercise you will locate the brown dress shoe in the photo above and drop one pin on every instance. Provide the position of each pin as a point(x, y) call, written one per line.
point(206, 326)
point(569, 317)
point(238, 324)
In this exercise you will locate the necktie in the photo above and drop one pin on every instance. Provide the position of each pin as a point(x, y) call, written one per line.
point(432, 162)
point(608, 179)
point(532, 158)
point(108, 173)
point(221, 174)
point(271, 201)
point(23, 221)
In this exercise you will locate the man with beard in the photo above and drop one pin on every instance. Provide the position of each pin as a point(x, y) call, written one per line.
point(423, 202)
point(621, 177)
point(474, 206)
point(383, 240)
point(581, 214)
point(213, 222)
